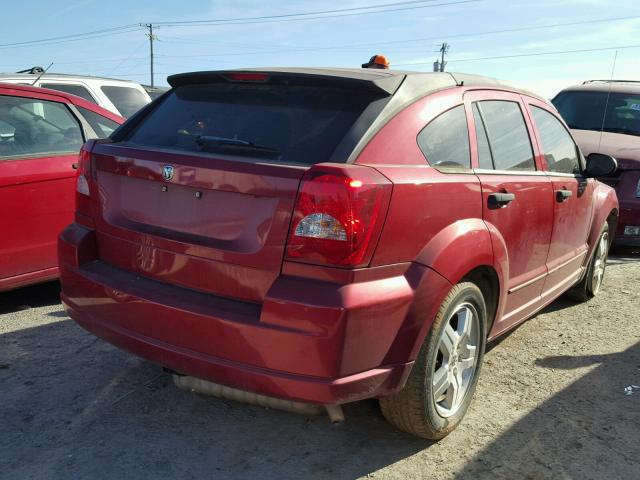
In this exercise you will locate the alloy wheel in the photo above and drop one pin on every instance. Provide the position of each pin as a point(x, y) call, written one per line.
point(456, 358)
point(600, 263)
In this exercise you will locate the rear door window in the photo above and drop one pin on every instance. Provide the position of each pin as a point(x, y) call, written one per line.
point(292, 124)
point(126, 99)
point(509, 142)
point(445, 140)
point(103, 126)
point(560, 152)
point(32, 127)
point(77, 90)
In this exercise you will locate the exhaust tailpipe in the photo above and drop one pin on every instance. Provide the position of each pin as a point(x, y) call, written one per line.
point(204, 387)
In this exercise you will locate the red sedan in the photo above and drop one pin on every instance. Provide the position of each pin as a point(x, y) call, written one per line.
point(41, 133)
point(325, 236)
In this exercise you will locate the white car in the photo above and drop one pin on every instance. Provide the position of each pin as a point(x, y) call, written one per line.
point(122, 97)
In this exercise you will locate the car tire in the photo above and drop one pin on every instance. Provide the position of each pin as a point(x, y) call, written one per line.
point(590, 284)
point(421, 407)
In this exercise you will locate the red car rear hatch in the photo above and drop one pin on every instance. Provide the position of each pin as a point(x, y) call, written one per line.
point(198, 189)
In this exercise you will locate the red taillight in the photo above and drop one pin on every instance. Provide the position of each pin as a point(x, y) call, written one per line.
point(247, 77)
point(338, 215)
point(83, 184)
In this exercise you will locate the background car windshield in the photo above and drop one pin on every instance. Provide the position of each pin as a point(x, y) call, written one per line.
point(584, 110)
point(127, 100)
point(293, 123)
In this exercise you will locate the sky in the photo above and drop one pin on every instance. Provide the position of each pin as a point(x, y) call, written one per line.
point(517, 41)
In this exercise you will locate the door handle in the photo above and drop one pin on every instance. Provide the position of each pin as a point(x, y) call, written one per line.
point(74, 166)
point(562, 195)
point(500, 200)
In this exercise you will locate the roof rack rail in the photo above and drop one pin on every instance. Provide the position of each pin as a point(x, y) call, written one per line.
point(610, 81)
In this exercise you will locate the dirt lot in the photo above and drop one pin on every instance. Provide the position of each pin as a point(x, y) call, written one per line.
point(550, 404)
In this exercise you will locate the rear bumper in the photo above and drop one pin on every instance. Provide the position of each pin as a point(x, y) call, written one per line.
point(629, 215)
point(372, 382)
point(311, 341)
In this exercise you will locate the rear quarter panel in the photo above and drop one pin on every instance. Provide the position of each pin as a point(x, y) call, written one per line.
point(434, 218)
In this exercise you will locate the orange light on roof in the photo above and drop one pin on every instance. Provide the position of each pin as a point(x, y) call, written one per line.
point(355, 183)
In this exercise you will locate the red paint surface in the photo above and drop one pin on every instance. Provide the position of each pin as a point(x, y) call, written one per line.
point(201, 285)
point(37, 197)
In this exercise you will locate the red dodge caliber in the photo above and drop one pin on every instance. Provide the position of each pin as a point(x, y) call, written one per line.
point(325, 236)
point(41, 132)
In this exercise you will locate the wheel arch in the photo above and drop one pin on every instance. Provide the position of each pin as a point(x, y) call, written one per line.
point(605, 209)
point(439, 266)
point(486, 278)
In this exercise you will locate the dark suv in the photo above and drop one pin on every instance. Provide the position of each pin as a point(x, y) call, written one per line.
point(326, 236)
point(604, 116)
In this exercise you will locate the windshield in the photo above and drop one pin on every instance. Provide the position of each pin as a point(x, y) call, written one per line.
point(585, 110)
point(298, 124)
point(126, 99)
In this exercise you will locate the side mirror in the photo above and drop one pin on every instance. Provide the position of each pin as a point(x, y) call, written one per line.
point(600, 165)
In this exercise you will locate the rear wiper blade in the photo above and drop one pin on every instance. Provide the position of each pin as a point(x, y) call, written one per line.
point(204, 141)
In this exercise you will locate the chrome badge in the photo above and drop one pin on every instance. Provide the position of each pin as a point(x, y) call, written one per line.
point(167, 172)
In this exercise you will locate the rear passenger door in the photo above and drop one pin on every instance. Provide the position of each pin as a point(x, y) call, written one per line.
point(517, 196)
point(572, 197)
point(39, 142)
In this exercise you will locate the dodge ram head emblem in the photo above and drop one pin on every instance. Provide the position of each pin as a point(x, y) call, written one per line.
point(167, 172)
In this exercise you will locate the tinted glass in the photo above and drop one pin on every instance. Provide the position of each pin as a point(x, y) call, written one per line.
point(78, 90)
point(559, 149)
point(126, 99)
point(101, 125)
point(508, 135)
point(484, 152)
point(37, 127)
point(583, 110)
point(445, 141)
point(276, 122)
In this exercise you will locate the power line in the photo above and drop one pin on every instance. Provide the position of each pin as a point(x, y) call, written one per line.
point(537, 54)
point(294, 15)
point(73, 37)
point(319, 17)
point(410, 40)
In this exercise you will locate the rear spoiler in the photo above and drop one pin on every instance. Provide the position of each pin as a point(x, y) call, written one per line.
point(348, 79)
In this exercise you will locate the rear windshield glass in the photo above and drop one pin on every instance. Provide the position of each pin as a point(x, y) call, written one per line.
point(126, 99)
point(584, 110)
point(293, 124)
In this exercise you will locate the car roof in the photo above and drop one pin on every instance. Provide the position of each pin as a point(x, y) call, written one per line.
point(61, 76)
point(617, 86)
point(7, 88)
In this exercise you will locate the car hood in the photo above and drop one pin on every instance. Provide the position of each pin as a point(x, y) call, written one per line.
point(624, 148)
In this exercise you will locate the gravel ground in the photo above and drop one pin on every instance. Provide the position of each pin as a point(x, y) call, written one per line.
point(550, 404)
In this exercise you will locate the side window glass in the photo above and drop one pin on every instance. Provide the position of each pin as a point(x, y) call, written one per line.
point(77, 90)
point(101, 125)
point(445, 140)
point(484, 151)
point(508, 135)
point(560, 151)
point(32, 127)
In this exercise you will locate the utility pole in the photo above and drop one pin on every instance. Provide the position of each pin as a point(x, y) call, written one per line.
point(152, 37)
point(444, 49)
